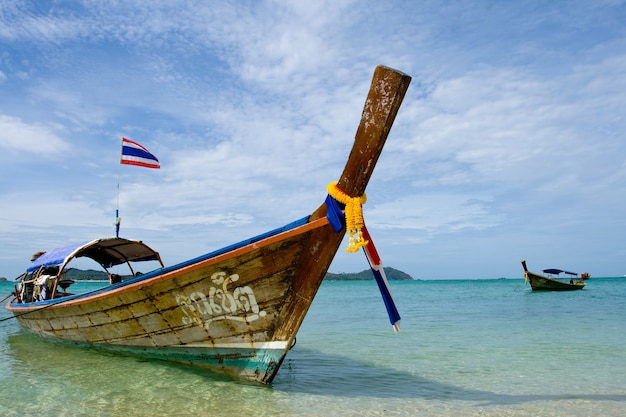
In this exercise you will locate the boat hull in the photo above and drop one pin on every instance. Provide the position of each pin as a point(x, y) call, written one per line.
point(543, 283)
point(244, 361)
point(236, 313)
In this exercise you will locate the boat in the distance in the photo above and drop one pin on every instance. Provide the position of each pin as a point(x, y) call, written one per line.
point(235, 310)
point(552, 280)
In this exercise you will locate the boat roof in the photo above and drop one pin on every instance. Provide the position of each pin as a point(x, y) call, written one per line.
point(557, 271)
point(107, 252)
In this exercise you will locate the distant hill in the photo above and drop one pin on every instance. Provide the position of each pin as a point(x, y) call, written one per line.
point(391, 273)
point(86, 275)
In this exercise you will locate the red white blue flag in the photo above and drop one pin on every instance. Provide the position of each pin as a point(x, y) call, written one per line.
point(381, 279)
point(135, 154)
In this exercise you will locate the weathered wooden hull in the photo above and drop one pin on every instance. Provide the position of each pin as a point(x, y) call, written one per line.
point(237, 310)
point(543, 283)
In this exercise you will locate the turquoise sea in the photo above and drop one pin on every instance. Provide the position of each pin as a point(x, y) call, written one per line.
point(466, 348)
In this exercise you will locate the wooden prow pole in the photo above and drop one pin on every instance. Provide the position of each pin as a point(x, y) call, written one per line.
point(524, 265)
point(379, 112)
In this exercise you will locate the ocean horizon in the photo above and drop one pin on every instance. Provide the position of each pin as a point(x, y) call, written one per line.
point(467, 347)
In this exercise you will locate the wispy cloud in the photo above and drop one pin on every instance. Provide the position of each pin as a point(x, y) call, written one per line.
point(36, 138)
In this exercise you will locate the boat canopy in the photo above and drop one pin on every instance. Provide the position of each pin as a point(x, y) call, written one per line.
point(107, 252)
point(557, 271)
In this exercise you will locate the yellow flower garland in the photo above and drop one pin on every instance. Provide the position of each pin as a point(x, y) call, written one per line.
point(354, 216)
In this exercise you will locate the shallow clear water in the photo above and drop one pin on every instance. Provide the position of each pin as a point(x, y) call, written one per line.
point(467, 348)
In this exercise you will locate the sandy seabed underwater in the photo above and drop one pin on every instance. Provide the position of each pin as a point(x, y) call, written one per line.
point(466, 348)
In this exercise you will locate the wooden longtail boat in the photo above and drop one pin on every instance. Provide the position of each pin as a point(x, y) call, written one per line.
point(236, 310)
point(549, 282)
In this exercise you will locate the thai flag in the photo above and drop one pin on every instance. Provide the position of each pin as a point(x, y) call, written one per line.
point(381, 279)
point(135, 154)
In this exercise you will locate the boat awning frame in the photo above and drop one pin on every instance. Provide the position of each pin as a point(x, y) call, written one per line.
point(106, 252)
point(558, 271)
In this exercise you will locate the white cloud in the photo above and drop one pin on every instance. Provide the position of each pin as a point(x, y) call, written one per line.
point(16, 135)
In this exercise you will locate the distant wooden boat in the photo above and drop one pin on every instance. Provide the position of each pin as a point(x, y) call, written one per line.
point(236, 310)
point(553, 281)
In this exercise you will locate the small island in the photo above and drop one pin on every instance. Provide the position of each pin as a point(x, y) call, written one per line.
point(391, 274)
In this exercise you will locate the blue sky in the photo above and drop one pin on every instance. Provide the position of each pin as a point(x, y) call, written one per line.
point(509, 144)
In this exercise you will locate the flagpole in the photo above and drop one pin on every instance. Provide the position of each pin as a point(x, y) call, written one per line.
point(118, 220)
point(132, 154)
